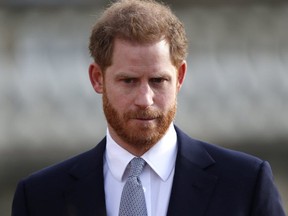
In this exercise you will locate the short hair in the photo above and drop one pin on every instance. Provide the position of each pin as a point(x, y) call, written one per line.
point(137, 21)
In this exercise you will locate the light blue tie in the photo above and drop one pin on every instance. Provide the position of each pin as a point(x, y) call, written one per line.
point(133, 199)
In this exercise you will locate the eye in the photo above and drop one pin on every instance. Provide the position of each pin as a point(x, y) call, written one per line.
point(157, 80)
point(129, 80)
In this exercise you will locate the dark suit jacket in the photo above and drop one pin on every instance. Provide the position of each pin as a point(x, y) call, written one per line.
point(208, 181)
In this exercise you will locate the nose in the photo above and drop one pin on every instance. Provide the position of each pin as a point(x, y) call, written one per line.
point(144, 96)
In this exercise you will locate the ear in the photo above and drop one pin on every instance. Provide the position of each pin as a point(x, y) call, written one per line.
point(96, 77)
point(181, 74)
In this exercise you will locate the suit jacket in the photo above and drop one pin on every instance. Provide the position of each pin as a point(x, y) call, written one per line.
point(208, 181)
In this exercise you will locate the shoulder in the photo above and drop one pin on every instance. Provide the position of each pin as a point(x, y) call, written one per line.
point(82, 163)
point(224, 158)
point(223, 154)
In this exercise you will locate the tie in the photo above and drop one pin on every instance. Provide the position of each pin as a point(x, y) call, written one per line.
point(133, 200)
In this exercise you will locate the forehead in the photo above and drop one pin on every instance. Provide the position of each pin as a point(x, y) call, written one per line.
point(141, 54)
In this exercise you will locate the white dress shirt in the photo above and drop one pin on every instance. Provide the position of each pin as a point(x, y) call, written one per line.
point(156, 178)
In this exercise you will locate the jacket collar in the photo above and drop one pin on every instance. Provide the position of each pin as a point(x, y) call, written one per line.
point(86, 195)
point(192, 185)
point(191, 190)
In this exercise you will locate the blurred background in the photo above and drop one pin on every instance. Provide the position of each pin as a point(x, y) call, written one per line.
point(235, 93)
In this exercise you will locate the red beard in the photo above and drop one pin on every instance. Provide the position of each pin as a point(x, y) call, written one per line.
point(142, 135)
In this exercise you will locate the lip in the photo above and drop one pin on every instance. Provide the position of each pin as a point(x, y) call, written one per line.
point(144, 120)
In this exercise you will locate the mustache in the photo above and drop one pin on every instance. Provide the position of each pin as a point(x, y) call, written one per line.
point(143, 114)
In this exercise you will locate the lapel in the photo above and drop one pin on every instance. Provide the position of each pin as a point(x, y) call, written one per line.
point(85, 195)
point(191, 190)
point(192, 185)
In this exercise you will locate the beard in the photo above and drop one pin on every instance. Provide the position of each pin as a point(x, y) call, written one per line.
point(142, 135)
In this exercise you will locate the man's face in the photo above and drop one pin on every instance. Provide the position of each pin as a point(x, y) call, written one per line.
point(139, 93)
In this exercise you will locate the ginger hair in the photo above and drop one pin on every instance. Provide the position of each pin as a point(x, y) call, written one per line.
point(137, 21)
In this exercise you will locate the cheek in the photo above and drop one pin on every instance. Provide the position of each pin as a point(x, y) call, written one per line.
point(165, 101)
point(112, 92)
point(119, 101)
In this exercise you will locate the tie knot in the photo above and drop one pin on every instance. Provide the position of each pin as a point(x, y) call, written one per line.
point(136, 166)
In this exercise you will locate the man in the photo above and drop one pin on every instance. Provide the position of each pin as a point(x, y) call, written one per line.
point(139, 50)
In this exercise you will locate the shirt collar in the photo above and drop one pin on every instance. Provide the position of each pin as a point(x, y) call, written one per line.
point(161, 157)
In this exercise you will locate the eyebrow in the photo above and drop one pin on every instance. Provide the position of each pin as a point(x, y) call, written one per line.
point(135, 74)
point(122, 75)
